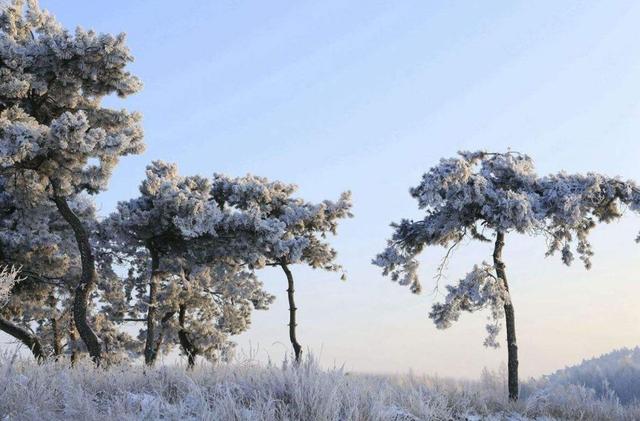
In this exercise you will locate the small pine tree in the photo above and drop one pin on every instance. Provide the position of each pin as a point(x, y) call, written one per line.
point(304, 227)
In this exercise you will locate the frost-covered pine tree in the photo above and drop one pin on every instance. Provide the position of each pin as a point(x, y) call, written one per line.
point(481, 195)
point(137, 234)
point(192, 263)
point(56, 140)
point(474, 196)
point(305, 227)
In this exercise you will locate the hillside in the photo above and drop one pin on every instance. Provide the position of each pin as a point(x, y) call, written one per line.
point(617, 373)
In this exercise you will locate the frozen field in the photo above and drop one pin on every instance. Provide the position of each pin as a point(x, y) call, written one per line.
point(251, 392)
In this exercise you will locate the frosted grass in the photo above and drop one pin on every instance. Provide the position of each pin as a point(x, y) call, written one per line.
point(249, 391)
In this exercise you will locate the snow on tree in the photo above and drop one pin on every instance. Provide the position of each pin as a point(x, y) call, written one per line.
point(196, 259)
point(38, 240)
point(56, 139)
point(215, 301)
point(9, 276)
point(576, 203)
point(306, 226)
point(41, 243)
point(470, 196)
point(477, 194)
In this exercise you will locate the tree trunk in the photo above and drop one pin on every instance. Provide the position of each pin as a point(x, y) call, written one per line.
point(510, 321)
point(187, 345)
point(57, 340)
point(73, 346)
point(150, 350)
point(30, 340)
point(297, 348)
point(87, 279)
point(158, 340)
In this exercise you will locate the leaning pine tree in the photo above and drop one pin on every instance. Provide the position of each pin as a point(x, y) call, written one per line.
point(56, 140)
point(304, 226)
point(480, 196)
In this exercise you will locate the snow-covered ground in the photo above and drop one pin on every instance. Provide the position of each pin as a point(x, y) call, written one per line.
point(251, 392)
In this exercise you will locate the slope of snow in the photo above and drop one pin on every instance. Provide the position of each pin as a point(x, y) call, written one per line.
point(616, 373)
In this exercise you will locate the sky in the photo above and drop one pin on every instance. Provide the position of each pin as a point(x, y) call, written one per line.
point(368, 95)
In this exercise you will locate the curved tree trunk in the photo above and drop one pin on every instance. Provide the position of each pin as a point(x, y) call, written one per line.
point(510, 321)
point(30, 340)
point(150, 349)
point(185, 342)
point(87, 279)
point(297, 348)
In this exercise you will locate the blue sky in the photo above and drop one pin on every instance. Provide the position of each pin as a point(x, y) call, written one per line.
point(366, 96)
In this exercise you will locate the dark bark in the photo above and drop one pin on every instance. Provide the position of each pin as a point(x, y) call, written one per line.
point(189, 348)
point(30, 340)
point(150, 350)
point(510, 321)
point(87, 280)
point(73, 346)
point(57, 340)
point(297, 348)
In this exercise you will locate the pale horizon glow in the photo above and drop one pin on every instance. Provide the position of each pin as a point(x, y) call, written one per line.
point(367, 96)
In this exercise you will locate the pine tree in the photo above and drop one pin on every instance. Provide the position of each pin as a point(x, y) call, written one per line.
point(56, 140)
point(305, 226)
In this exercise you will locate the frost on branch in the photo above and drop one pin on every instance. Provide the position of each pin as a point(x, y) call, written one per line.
point(302, 228)
point(52, 125)
point(299, 227)
point(206, 256)
point(463, 197)
point(479, 194)
point(479, 289)
point(219, 300)
point(575, 203)
point(9, 276)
